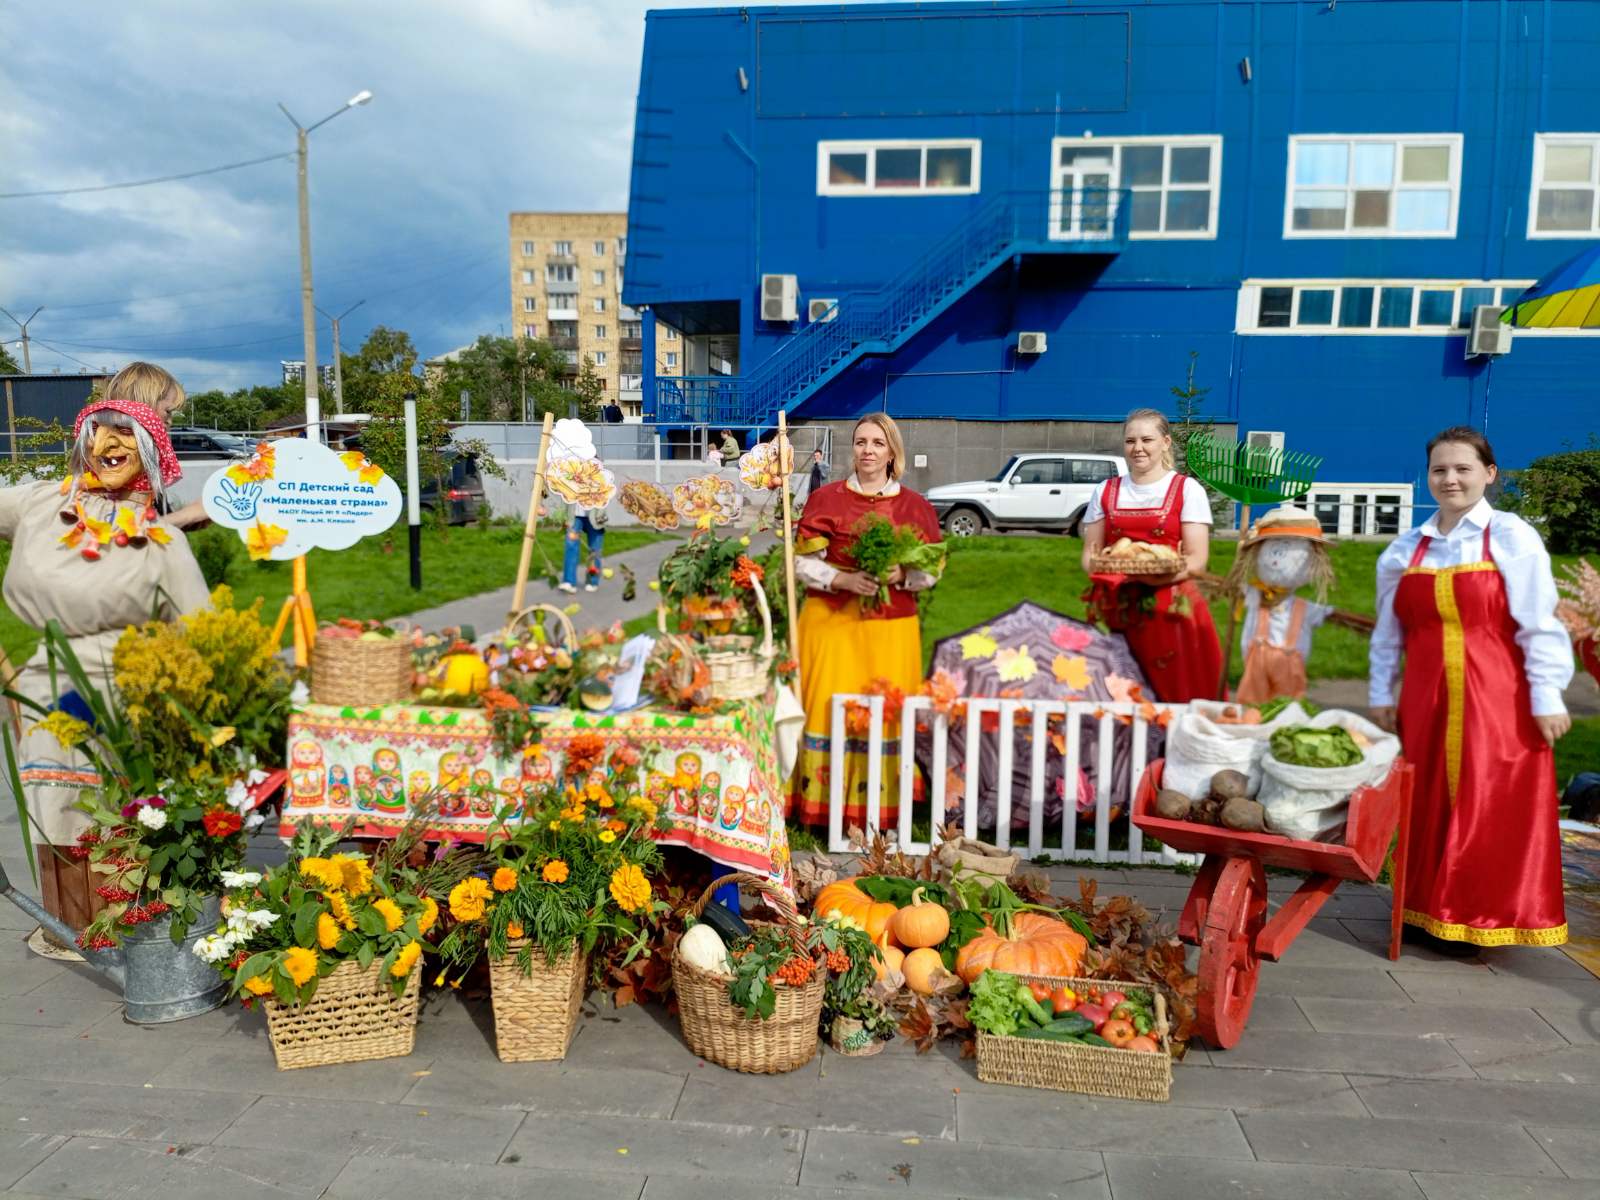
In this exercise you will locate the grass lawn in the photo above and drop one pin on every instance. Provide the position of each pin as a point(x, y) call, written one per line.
point(365, 582)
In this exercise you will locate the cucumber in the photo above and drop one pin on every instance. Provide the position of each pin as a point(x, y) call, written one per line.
point(1071, 1023)
point(1049, 1035)
point(1094, 1039)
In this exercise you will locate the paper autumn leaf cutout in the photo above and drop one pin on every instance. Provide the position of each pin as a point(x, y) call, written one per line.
point(1071, 672)
point(978, 645)
point(366, 470)
point(1121, 688)
point(261, 539)
point(1070, 638)
point(1015, 663)
point(263, 464)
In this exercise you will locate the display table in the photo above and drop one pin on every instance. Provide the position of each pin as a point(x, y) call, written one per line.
point(714, 778)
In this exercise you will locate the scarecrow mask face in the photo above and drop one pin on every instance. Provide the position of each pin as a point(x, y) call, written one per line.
point(114, 456)
point(1285, 562)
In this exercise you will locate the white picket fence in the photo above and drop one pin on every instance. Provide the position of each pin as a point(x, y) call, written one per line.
point(1041, 712)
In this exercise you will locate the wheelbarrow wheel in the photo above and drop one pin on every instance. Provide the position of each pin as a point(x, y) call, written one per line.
point(1229, 965)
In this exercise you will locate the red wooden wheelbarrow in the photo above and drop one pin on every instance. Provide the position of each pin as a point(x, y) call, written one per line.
point(1226, 913)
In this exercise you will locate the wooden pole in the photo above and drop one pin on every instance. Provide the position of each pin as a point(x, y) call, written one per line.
point(302, 601)
point(788, 538)
point(533, 516)
point(11, 420)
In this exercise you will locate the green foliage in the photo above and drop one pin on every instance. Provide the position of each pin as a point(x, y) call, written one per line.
point(8, 365)
point(42, 448)
point(1559, 495)
point(590, 391)
point(499, 371)
point(216, 550)
point(244, 409)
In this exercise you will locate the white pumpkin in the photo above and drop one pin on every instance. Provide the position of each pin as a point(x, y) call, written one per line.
point(701, 947)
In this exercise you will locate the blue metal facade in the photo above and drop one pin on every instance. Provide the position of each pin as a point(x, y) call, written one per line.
point(733, 104)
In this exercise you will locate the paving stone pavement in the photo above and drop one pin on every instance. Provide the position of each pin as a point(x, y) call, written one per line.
point(1427, 1079)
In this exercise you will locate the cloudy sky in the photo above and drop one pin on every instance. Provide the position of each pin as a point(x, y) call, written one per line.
point(482, 107)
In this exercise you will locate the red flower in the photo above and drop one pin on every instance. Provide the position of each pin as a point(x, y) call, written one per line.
point(583, 753)
point(222, 822)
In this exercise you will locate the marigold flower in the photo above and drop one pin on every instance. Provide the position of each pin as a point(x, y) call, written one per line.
point(356, 871)
point(430, 914)
point(607, 836)
point(324, 872)
point(328, 931)
point(555, 871)
point(257, 986)
point(504, 879)
point(467, 899)
point(300, 964)
point(406, 959)
point(514, 930)
point(393, 918)
point(583, 753)
point(629, 888)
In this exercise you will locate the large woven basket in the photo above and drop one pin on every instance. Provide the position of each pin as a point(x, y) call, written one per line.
point(354, 1016)
point(541, 617)
point(1090, 1070)
point(740, 668)
point(535, 1014)
point(720, 1033)
point(348, 671)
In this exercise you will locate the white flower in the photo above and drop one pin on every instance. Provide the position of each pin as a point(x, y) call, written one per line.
point(238, 879)
point(152, 818)
point(299, 693)
point(213, 949)
point(261, 918)
point(239, 923)
point(239, 795)
point(256, 777)
point(253, 822)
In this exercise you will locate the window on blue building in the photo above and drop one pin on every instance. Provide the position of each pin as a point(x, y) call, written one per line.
point(1365, 307)
point(1316, 306)
point(1566, 185)
point(1471, 297)
point(1171, 182)
point(1355, 307)
point(1436, 306)
point(897, 167)
point(1373, 187)
point(1394, 307)
point(1277, 306)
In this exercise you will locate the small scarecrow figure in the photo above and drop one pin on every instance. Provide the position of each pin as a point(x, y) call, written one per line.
point(1283, 552)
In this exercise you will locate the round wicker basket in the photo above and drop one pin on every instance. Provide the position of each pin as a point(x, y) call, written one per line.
point(349, 671)
point(537, 616)
point(1105, 564)
point(740, 668)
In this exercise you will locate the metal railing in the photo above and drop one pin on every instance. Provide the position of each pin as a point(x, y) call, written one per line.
point(1082, 220)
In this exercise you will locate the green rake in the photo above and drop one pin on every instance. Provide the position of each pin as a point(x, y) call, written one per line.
point(1247, 475)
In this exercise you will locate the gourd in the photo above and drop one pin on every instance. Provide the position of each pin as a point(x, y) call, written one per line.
point(846, 899)
point(923, 969)
point(1038, 945)
point(891, 958)
point(463, 674)
point(920, 923)
point(700, 947)
point(595, 693)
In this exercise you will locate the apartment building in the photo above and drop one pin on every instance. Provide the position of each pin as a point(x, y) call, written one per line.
point(566, 288)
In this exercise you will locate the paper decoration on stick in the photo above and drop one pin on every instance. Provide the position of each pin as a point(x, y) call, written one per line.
point(706, 500)
point(581, 481)
point(296, 495)
point(571, 438)
point(649, 505)
point(760, 469)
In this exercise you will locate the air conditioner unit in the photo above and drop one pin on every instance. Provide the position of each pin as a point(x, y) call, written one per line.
point(821, 310)
point(1030, 343)
point(780, 297)
point(1488, 335)
point(1259, 439)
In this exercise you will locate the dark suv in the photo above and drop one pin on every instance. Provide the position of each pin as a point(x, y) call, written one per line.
point(209, 443)
point(462, 485)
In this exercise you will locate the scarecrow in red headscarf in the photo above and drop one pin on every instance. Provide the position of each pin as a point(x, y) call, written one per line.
point(92, 553)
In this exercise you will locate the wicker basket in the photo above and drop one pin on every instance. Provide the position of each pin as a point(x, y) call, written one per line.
point(348, 671)
point(354, 1016)
point(740, 669)
point(535, 616)
point(720, 1033)
point(1090, 1070)
point(1105, 564)
point(535, 1015)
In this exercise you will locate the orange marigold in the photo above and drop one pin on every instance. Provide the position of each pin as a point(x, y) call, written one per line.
point(504, 879)
point(583, 753)
point(555, 871)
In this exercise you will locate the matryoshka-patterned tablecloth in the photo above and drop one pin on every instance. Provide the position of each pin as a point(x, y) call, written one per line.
point(715, 777)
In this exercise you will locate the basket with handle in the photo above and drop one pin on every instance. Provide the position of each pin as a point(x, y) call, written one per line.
point(720, 1033)
point(346, 671)
point(740, 665)
point(540, 617)
point(1089, 1070)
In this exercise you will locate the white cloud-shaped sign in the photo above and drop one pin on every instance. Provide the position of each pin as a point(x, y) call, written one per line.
point(297, 495)
point(571, 438)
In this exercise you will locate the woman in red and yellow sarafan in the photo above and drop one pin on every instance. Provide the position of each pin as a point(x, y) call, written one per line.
point(845, 648)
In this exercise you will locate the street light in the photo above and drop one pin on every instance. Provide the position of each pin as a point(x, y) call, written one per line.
point(307, 303)
point(338, 358)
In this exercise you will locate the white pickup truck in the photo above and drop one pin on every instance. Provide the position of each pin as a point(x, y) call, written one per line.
point(1041, 490)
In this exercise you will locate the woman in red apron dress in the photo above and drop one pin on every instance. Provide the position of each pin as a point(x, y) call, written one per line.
point(1479, 710)
point(1165, 619)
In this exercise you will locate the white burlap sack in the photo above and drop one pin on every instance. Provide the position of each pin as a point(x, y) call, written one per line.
point(1198, 747)
point(1311, 803)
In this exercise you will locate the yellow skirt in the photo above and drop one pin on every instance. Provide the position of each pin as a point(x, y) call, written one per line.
point(840, 651)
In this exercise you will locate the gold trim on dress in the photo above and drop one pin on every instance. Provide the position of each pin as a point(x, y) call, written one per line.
point(1504, 935)
point(1455, 663)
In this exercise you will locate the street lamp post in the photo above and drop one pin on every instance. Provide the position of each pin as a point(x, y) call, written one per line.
point(308, 305)
point(338, 357)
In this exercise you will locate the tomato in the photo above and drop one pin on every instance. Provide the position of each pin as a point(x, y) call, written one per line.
point(1142, 1044)
point(1095, 1014)
point(1113, 998)
point(1063, 1000)
point(1119, 1033)
point(1041, 991)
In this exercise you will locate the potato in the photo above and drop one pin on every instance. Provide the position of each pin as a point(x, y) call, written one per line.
point(1225, 785)
point(1174, 806)
point(1247, 816)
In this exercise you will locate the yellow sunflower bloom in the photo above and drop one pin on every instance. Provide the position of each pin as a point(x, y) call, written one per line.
point(257, 986)
point(341, 910)
point(393, 918)
point(629, 888)
point(324, 872)
point(328, 931)
point(430, 914)
point(356, 872)
point(300, 964)
point(504, 879)
point(406, 959)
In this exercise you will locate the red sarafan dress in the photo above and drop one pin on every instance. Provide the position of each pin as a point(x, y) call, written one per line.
point(1169, 628)
point(1483, 852)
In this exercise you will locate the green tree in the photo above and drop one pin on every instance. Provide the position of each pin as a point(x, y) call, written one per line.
point(386, 352)
point(498, 371)
point(1192, 421)
point(8, 365)
point(590, 391)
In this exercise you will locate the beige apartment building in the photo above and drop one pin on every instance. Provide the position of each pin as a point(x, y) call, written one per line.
point(566, 287)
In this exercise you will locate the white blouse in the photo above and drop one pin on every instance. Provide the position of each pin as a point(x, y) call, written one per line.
point(1196, 505)
point(1279, 618)
point(1530, 592)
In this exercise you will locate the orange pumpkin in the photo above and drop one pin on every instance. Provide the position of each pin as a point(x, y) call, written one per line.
point(923, 969)
point(1038, 945)
point(920, 923)
point(893, 959)
point(846, 899)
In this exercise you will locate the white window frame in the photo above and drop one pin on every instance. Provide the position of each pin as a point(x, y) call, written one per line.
point(672, 360)
point(599, 249)
point(562, 250)
point(599, 358)
point(560, 273)
point(527, 249)
point(1249, 308)
point(600, 333)
point(672, 334)
point(599, 304)
point(1212, 140)
point(870, 146)
point(1540, 142)
point(598, 278)
point(1399, 140)
point(529, 304)
point(527, 278)
point(531, 331)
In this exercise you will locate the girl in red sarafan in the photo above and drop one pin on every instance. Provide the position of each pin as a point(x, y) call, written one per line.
point(1470, 601)
point(1165, 619)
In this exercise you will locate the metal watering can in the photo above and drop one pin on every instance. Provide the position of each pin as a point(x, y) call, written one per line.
point(161, 980)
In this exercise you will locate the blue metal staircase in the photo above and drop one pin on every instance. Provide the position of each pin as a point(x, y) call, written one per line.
point(1085, 221)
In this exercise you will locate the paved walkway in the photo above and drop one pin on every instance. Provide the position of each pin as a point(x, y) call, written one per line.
point(1358, 1079)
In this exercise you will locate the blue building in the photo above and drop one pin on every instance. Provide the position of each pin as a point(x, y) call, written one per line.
point(1034, 213)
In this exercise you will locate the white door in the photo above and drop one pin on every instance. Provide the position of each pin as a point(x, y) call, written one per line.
point(1082, 203)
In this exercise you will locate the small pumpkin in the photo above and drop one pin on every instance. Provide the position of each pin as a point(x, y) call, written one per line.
point(920, 923)
point(701, 947)
point(463, 673)
point(891, 958)
point(848, 900)
point(1039, 945)
point(923, 969)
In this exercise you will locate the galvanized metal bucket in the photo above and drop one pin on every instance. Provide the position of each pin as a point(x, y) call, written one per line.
point(163, 980)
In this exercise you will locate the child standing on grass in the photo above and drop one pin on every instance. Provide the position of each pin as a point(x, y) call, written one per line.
point(587, 525)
